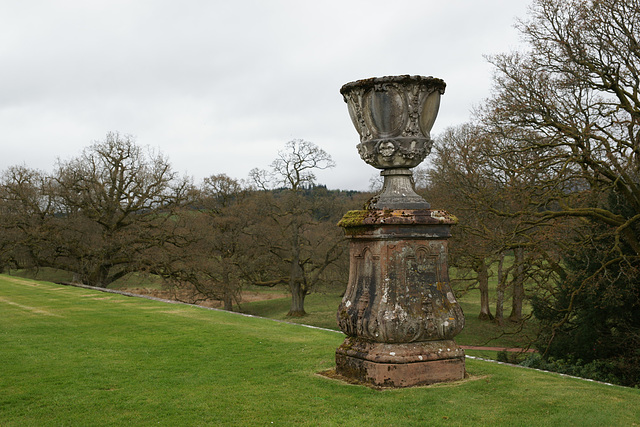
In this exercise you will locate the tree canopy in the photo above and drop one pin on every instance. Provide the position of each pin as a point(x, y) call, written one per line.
point(549, 171)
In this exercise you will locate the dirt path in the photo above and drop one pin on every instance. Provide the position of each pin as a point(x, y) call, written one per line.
point(509, 349)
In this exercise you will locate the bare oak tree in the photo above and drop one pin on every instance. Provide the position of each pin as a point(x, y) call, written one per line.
point(570, 105)
point(28, 224)
point(117, 199)
point(576, 92)
point(298, 240)
point(219, 251)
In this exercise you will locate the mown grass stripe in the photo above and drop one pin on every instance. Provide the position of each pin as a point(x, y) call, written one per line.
point(27, 308)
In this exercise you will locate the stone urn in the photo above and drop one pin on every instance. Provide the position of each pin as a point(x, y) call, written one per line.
point(399, 312)
point(394, 116)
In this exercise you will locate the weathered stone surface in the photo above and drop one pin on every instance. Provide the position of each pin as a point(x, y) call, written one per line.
point(399, 308)
point(400, 352)
point(400, 375)
point(394, 116)
point(354, 221)
point(399, 312)
point(398, 289)
point(400, 365)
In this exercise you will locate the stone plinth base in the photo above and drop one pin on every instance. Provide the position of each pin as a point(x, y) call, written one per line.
point(402, 364)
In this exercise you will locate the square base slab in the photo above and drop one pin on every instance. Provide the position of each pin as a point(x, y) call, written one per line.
point(400, 365)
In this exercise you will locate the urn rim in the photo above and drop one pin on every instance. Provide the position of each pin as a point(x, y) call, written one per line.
point(434, 82)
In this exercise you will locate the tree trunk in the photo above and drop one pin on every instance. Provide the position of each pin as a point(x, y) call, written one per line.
point(295, 278)
point(99, 278)
point(297, 300)
point(483, 285)
point(228, 301)
point(227, 296)
point(499, 319)
point(518, 286)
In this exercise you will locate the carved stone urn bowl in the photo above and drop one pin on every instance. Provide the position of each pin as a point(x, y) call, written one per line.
point(394, 116)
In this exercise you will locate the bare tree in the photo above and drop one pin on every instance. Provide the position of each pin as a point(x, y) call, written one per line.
point(297, 238)
point(570, 105)
point(455, 180)
point(472, 176)
point(575, 95)
point(29, 227)
point(219, 251)
point(117, 199)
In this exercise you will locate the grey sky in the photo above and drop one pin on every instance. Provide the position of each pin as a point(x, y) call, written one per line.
point(221, 86)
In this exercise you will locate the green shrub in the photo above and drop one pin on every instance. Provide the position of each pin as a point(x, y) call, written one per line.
point(599, 370)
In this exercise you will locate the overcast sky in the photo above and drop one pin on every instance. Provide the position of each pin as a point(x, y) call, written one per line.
point(221, 86)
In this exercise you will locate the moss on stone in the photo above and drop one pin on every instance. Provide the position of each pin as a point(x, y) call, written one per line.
point(353, 218)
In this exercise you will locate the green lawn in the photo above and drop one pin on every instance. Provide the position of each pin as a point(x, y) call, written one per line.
point(72, 356)
point(131, 280)
point(321, 310)
point(322, 307)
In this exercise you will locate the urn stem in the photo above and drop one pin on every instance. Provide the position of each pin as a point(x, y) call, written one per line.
point(398, 192)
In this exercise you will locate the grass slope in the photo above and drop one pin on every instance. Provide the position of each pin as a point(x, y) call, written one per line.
point(322, 308)
point(72, 356)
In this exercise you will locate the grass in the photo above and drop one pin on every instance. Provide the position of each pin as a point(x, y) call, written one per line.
point(44, 273)
point(73, 356)
point(131, 280)
point(322, 307)
point(321, 310)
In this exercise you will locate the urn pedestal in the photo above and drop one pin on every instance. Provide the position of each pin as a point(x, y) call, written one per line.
point(399, 312)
